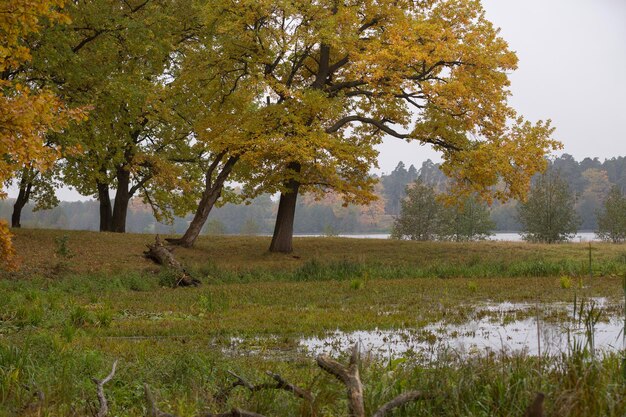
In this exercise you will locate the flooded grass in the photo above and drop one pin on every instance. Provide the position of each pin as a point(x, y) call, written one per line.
point(456, 320)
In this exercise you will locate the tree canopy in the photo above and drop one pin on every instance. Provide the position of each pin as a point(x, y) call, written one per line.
point(612, 217)
point(549, 215)
point(286, 96)
point(27, 113)
point(341, 76)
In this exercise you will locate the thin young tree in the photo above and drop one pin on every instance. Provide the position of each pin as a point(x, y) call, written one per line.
point(420, 214)
point(612, 217)
point(467, 220)
point(549, 214)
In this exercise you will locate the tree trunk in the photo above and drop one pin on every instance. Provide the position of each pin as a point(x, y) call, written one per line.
point(211, 193)
point(122, 198)
point(164, 256)
point(106, 217)
point(20, 202)
point(282, 240)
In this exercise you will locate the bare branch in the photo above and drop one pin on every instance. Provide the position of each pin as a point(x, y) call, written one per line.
point(241, 382)
point(381, 125)
point(334, 67)
point(368, 24)
point(350, 377)
point(342, 86)
point(287, 386)
point(280, 384)
point(368, 120)
point(104, 405)
point(401, 400)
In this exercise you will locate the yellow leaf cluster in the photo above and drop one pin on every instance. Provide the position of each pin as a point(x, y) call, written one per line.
point(25, 116)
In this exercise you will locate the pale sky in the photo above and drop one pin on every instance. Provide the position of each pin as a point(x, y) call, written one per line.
point(572, 70)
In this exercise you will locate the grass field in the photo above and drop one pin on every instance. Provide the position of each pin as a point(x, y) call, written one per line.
point(80, 302)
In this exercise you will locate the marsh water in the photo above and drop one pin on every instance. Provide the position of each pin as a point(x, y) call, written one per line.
point(493, 328)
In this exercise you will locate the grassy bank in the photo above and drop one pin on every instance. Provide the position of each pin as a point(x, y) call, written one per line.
point(68, 314)
point(235, 258)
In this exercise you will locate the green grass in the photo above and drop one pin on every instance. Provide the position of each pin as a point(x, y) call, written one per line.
point(59, 327)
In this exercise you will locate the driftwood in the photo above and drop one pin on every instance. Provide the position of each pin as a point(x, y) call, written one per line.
point(280, 384)
point(348, 375)
point(102, 399)
point(163, 255)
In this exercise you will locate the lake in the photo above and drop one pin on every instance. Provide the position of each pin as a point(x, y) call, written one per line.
point(500, 236)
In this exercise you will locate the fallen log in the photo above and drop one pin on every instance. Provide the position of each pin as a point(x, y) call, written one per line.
point(164, 255)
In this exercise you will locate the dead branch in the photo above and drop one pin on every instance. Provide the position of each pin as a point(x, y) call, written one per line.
point(102, 399)
point(349, 376)
point(401, 400)
point(153, 409)
point(287, 386)
point(241, 382)
point(163, 255)
point(279, 384)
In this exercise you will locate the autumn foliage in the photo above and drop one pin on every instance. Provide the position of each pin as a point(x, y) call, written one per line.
point(288, 96)
point(26, 115)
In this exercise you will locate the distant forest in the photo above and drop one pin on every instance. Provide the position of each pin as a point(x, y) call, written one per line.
point(590, 180)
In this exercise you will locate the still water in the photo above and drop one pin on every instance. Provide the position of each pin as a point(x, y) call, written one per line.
point(504, 236)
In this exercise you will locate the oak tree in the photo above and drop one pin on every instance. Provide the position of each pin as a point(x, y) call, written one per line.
point(342, 75)
point(115, 57)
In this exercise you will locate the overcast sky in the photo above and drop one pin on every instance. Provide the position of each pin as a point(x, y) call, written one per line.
point(572, 70)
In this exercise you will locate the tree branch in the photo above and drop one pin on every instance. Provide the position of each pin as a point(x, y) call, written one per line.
point(349, 375)
point(401, 400)
point(380, 124)
point(104, 406)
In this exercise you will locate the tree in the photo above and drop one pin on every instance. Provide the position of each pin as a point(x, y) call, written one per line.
point(425, 216)
point(470, 220)
point(612, 218)
point(549, 216)
point(420, 213)
point(27, 113)
point(114, 58)
point(33, 185)
point(342, 76)
point(395, 185)
point(590, 201)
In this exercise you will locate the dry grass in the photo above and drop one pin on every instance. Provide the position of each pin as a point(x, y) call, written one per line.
point(112, 252)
